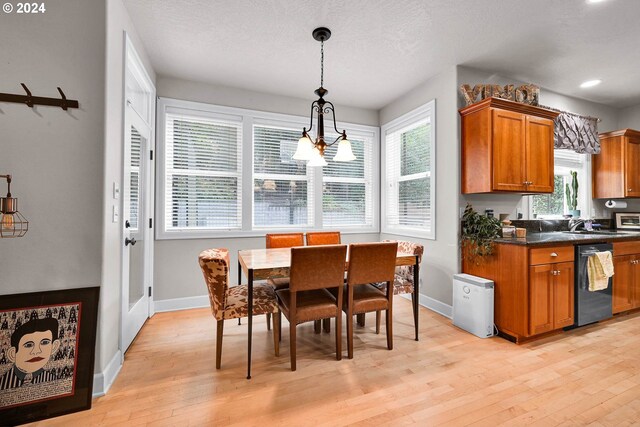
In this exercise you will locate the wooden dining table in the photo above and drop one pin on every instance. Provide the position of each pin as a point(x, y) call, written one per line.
point(261, 264)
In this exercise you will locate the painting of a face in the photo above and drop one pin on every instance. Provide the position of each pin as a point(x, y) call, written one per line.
point(34, 351)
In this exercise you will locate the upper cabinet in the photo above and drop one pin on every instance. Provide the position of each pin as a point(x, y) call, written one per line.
point(507, 147)
point(616, 170)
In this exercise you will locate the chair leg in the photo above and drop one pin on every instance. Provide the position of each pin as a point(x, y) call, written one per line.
point(361, 318)
point(276, 333)
point(349, 334)
point(338, 334)
point(219, 343)
point(378, 317)
point(279, 327)
point(326, 325)
point(414, 302)
point(292, 345)
point(389, 330)
point(316, 326)
point(239, 321)
point(269, 322)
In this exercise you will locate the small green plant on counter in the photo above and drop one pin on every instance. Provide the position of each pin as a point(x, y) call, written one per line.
point(571, 191)
point(478, 234)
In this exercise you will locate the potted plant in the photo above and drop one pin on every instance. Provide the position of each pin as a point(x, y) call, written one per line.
point(478, 234)
point(571, 192)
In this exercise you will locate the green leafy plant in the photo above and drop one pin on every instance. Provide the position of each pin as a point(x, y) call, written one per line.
point(571, 191)
point(478, 234)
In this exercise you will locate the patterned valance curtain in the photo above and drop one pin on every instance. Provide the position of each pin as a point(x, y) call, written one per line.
point(577, 133)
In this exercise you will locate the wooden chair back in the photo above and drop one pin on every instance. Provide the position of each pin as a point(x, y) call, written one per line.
point(317, 267)
point(323, 238)
point(371, 262)
point(284, 240)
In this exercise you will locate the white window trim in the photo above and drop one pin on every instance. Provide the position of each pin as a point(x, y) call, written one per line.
point(428, 109)
point(249, 119)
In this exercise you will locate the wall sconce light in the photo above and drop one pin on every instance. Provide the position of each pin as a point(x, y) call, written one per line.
point(12, 222)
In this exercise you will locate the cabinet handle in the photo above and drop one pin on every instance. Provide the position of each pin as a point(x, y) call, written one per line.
point(553, 254)
point(629, 190)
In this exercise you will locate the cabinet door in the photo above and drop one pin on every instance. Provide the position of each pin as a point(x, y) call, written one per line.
point(624, 268)
point(508, 152)
point(563, 294)
point(539, 154)
point(632, 168)
point(541, 298)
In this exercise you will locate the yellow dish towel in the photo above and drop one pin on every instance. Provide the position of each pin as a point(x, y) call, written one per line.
point(599, 268)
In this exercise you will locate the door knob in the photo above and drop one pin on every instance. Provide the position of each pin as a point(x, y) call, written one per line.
point(128, 241)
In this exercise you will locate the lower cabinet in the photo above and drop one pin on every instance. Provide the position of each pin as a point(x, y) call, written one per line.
point(550, 297)
point(626, 280)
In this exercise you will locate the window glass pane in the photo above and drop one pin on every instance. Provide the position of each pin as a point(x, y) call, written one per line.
point(134, 177)
point(272, 151)
point(352, 169)
point(343, 204)
point(204, 202)
point(414, 151)
point(413, 202)
point(204, 146)
point(280, 202)
point(550, 204)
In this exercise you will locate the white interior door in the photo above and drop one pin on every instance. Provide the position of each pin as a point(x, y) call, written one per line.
point(136, 231)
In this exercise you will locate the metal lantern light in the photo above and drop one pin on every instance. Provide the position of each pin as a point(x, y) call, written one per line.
point(12, 222)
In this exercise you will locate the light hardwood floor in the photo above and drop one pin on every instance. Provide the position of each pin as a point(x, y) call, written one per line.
point(590, 376)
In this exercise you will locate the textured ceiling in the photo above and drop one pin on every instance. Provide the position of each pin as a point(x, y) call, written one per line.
point(381, 49)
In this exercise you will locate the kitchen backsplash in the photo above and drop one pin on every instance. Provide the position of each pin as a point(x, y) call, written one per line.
point(546, 225)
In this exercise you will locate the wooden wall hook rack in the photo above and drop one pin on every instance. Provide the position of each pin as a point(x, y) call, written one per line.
point(31, 100)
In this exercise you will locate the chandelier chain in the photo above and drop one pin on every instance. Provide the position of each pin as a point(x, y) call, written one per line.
point(322, 63)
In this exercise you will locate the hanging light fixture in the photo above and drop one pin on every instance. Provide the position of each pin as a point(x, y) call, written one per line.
point(12, 222)
point(314, 150)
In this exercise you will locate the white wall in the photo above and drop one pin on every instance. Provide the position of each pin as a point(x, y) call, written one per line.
point(55, 157)
point(118, 22)
point(440, 260)
point(176, 271)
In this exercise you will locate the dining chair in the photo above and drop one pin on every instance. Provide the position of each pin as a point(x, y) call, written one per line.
point(314, 270)
point(370, 263)
point(282, 240)
point(315, 238)
point(403, 282)
point(232, 302)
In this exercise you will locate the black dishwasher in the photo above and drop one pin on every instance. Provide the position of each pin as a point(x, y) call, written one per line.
point(590, 306)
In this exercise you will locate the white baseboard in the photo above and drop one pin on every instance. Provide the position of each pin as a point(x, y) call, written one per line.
point(433, 305)
point(181, 303)
point(102, 382)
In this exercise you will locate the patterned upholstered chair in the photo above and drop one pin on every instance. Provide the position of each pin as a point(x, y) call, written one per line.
point(403, 282)
point(232, 302)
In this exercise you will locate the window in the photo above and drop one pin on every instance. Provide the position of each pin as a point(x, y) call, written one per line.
point(226, 172)
point(202, 172)
point(281, 186)
point(550, 206)
point(347, 198)
point(409, 187)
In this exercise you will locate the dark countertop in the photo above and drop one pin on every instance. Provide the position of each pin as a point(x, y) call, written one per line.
point(561, 237)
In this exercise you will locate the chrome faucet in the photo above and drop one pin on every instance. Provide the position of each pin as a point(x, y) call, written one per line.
point(574, 223)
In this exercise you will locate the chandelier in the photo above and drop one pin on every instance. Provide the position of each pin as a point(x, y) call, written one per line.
point(309, 149)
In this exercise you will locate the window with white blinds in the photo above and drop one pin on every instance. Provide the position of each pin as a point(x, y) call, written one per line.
point(347, 190)
point(203, 173)
point(282, 187)
point(229, 172)
point(409, 188)
point(134, 179)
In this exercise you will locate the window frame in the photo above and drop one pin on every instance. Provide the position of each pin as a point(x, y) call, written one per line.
point(251, 118)
point(425, 111)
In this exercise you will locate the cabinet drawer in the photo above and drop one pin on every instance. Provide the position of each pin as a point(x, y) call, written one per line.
point(551, 255)
point(626, 248)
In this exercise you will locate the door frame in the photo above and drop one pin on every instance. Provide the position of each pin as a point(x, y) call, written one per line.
point(133, 63)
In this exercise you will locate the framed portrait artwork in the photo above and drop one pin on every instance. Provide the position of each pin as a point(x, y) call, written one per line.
point(47, 346)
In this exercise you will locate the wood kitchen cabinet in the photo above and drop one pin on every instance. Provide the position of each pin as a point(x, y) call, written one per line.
point(626, 280)
point(616, 170)
point(551, 293)
point(507, 147)
point(534, 288)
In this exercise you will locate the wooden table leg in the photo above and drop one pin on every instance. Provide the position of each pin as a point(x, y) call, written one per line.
point(250, 290)
point(416, 290)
